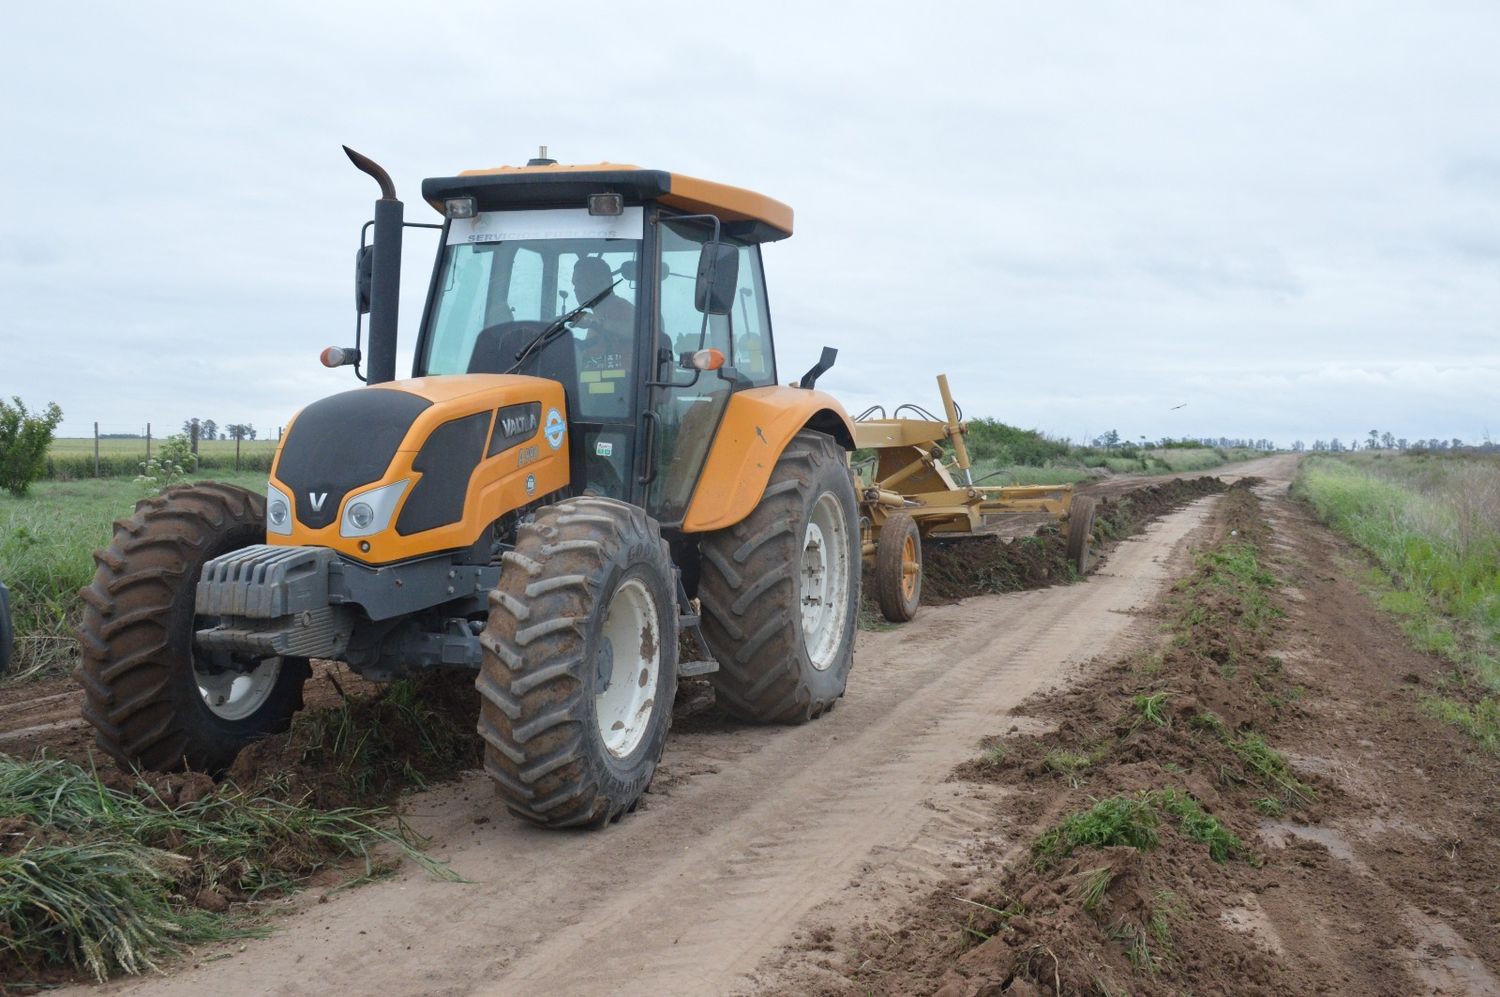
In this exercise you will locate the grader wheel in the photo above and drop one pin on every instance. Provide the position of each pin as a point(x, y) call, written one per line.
point(898, 568)
point(1080, 532)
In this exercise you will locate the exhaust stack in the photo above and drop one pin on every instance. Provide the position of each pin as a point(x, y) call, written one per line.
point(385, 273)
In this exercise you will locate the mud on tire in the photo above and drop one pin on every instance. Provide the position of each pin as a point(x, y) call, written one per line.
point(140, 690)
point(573, 722)
point(754, 582)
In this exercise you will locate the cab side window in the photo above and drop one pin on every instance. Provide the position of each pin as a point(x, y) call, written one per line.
point(752, 355)
point(744, 335)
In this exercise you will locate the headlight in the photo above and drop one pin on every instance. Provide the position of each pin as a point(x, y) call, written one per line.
point(369, 513)
point(278, 511)
point(361, 515)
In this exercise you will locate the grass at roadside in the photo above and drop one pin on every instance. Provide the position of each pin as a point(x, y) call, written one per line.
point(1079, 464)
point(47, 540)
point(107, 878)
point(1432, 525)
point(105, 872)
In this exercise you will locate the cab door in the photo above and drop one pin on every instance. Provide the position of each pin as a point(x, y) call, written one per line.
point(688, 404)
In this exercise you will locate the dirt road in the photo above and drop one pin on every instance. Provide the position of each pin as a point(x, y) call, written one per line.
point(747, 831)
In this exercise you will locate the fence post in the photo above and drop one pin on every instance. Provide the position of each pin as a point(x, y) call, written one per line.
point(96, 450)
point(148, 442)
point(193, 428)
point(237, 437)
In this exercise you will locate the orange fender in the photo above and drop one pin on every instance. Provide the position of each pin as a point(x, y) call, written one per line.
point(758, 423)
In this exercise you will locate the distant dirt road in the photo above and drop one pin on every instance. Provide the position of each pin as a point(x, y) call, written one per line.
point(746, 831)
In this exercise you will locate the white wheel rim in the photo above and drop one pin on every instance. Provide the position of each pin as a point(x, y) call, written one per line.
point(825, 581)
point(628, 668)
point(234, 695)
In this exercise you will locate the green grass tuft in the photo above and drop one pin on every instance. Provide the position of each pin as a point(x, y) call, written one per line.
point(1198, 824)
point(1151, 709)
point(1480, 720)
point(1119, 820)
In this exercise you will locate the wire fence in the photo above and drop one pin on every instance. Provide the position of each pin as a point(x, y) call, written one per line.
point(114, 451)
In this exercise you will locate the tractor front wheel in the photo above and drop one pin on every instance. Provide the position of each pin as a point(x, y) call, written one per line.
point(780, 590)
point(154, 700)
point(580, 663)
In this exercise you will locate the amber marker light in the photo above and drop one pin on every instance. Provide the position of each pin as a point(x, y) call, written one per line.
point(709, 359)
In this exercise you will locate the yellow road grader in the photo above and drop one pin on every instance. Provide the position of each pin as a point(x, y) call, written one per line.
point(592, 457)
point(919, 483)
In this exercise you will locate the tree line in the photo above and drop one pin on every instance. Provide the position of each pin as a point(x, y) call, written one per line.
point(207, 429)
point(1376, 440)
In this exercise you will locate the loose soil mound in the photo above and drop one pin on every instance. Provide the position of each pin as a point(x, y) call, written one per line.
point(1257, 805)
point(364, 749)
point(961, 567)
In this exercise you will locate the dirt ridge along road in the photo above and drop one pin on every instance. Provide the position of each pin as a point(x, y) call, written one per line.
point(747, 830)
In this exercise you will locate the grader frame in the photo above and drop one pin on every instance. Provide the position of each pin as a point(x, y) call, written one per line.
point(921, 485)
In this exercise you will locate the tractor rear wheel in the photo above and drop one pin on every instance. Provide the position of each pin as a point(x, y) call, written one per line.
point(580, 663)
point(155, 702)
point(780, 590)
point(898, 568)
point(1080, 532)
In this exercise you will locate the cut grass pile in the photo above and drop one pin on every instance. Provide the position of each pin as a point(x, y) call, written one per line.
point(47, 540)
point(109, 876)
point(1432, 525)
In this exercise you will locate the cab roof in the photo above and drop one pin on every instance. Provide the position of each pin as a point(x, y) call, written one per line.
point(746, 214)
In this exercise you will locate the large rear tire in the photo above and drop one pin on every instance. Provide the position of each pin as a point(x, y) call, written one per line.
point(780, 590)
point(580, 663)
point(898, 568)
point(153, 701)
point(1080, 532)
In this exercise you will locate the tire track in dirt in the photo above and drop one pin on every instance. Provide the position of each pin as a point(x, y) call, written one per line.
point(753, 828)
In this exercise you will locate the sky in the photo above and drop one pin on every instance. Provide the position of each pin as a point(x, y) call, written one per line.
point(1273, 220)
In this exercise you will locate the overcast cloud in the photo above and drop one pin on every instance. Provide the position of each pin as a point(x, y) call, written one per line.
point(1285, 215)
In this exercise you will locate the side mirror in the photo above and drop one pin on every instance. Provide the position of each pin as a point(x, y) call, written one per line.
point(718, 274)
point(364, 270)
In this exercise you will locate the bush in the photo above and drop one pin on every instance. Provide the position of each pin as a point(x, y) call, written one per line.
point(992, 440)
point(167, 468)
point(24, 439)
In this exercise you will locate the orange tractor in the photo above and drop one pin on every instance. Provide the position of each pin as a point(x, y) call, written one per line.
point(591, 458)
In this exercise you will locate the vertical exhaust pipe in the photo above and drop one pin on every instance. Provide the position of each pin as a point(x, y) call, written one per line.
point(385, 273)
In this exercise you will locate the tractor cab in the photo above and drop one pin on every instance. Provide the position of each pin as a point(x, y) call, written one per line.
point(640, 292)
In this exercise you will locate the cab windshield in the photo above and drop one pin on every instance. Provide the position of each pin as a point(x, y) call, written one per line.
point(505, 275)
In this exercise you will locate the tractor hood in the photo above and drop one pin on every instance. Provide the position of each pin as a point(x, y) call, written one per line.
point(447, 455)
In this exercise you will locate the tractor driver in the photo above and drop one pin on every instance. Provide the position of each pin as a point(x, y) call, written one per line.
point(609, 323)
